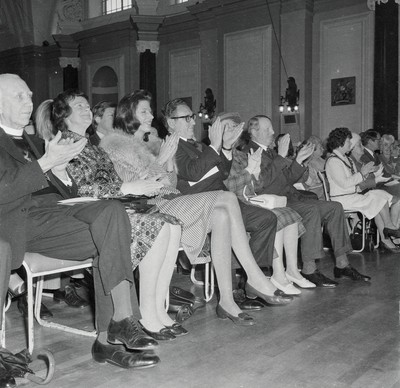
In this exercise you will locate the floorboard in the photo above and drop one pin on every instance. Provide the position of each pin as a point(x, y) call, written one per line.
point(343, 337)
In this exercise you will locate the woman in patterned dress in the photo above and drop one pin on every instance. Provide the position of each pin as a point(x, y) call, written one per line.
point(155, 237)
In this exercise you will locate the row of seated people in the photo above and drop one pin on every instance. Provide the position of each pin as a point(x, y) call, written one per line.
point(188, 184)
point(359, 169)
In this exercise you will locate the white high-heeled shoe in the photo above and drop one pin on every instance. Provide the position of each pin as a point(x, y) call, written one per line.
point(303, 282)
point(288, 289)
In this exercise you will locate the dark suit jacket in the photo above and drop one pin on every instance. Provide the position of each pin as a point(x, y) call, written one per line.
point(277, 177)
point(18, 180)
point(193, 164)
point(367, 157)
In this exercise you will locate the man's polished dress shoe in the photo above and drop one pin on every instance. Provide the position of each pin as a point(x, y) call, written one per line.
point(279, 297)
point(239, 296)
point(127, 332)
point(70, 297)
point(242, 319)
point(320, 280)
point(251, 305)
point(177, 330)
point(22, 305)
point(350, 273)
point(163, 334)
point(119, 356)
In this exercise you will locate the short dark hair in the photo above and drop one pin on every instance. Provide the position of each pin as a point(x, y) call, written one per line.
point(170, 108)
point(99, 109)
point(61, 109)
point(337, 138)
point(125, 113)
point(368, 135)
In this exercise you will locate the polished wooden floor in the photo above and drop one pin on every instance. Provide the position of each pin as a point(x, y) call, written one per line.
point(343, 337)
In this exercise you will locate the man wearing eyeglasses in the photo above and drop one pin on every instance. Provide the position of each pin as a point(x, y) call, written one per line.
point(204, 168)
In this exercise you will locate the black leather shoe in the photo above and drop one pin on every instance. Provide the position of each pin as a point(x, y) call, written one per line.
point(242, 319)
point(22, 305)
point(320, 280)
point(391, 232)
point(251, 305)
point(6, 380)
point(119, 356)
point(177, 330)
point(350, 273)
point(279, 297)
point(127, 332)
point(163, 334)
point(70, 297)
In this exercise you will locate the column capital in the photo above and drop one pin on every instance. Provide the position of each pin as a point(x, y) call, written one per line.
point(74, 62)
point(152, 45)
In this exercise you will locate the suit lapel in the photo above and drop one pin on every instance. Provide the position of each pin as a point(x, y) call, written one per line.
point(8, 145)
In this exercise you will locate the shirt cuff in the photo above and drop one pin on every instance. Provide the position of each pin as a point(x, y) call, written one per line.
point(67, 182)
point(214, 149)
point(228, 154)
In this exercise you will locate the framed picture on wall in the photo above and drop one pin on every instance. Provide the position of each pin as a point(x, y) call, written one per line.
point(343, 91)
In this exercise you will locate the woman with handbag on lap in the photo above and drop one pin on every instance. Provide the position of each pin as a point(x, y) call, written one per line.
point(344, 181)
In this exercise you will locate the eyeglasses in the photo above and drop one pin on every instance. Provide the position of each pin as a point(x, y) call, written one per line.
point(187, 117)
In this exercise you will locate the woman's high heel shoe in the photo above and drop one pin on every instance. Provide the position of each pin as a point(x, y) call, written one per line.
point(391, 232)
point(242, 319)
point(279, 298)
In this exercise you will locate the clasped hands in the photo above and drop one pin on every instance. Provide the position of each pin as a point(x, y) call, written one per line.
point(223, 135)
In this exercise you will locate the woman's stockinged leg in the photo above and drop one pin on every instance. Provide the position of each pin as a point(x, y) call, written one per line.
point(290, 243)
point(149, 269)
point(221, 257)
point(240, 245)
point(165, 275)
point(277, 263)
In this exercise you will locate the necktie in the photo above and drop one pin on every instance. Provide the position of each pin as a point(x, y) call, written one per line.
point(195, 143)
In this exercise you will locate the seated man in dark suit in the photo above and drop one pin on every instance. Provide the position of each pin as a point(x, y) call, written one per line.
point(203, 168)
point(277, 177)
point(371, 141)
point(33, 180)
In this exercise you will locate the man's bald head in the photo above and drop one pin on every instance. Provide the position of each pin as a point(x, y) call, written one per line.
point(15, 101)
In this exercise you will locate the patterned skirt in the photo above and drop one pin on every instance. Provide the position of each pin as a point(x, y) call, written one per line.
point(145, 229)
point(195, 211)
point(287, 216)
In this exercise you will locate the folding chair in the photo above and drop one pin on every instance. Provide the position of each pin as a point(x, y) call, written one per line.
point(39, 266)
point(365, 222)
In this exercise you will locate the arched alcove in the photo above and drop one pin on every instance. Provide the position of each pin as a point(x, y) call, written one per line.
point(105, 85)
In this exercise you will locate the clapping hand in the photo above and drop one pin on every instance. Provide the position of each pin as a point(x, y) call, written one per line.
point(283, 145)
point(231, 134)
point(168, 148)
point(58, 152)
point(368, 168)
point(215, 133)
point(305, 152)
point(254, 161)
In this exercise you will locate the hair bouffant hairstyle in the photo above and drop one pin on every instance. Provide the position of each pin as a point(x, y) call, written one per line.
point(61, 109)
point(125, 114)
point(337, 138)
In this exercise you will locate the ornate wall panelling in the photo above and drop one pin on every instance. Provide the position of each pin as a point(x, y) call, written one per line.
point(184, 78)
point(346, 50)
point(247, 72)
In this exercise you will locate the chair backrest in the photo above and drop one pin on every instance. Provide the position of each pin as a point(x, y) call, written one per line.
point(325, 184)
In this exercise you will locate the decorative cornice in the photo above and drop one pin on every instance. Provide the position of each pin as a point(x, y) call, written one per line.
point(74, 62)
point(152, 45)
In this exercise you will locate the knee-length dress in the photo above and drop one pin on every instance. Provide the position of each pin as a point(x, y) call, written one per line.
point(95, 176)
point(343, 180)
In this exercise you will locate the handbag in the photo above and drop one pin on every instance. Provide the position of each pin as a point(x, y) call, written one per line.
point(356, 238)
point(266, 201)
